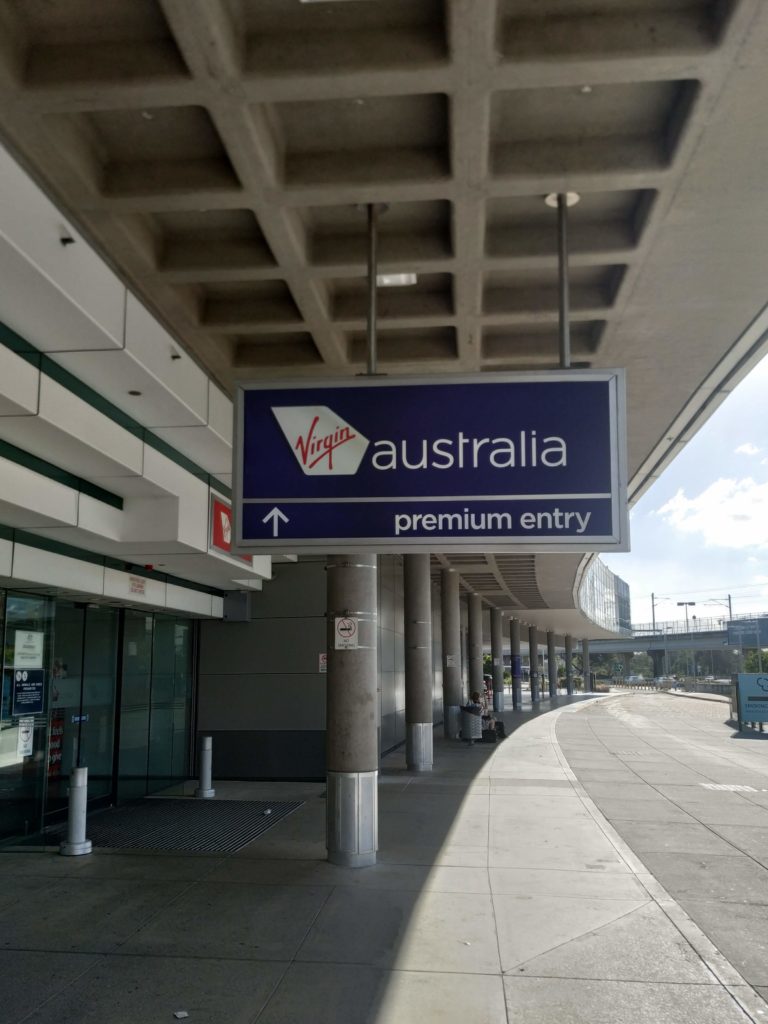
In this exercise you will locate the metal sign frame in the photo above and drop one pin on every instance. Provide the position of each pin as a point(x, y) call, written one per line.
point(617, 540)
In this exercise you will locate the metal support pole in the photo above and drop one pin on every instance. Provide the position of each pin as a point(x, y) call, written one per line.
point(563, 281)
point(533, 658)
point(418, 663)
point(475, 644)
point(569, 665)
point(352, 711)
point(551, 665)
point(586, 666)
point(205, 790)
point(497, 660)
point(517, 668)
point(450, 611)
point(76, 844)
point(373, 239)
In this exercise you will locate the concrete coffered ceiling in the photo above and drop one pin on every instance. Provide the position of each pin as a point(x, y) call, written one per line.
point(217, 152)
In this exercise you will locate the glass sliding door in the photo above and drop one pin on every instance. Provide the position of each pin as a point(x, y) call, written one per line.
point(134, 705)
point(97, 708)
point(82, 701)
point(26, 625)
point(170, 702)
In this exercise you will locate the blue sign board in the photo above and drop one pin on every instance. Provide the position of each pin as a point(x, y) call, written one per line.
point(748, 632)
point(518, 462)
point(28, 691)
point(753, 697)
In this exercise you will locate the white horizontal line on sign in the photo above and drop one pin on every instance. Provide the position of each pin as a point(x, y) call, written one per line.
point(426, 498)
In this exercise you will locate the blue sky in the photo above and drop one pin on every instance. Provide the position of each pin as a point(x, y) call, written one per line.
point(701, 531)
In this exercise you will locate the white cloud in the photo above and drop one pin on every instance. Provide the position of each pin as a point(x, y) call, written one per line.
point(747, 449)
point(727, 514)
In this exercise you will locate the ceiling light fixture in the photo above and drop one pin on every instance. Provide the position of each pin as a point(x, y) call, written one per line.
point(134, 394)
point(571, 198)
point(395, 280)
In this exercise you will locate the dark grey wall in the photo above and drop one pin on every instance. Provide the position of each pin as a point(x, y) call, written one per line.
point(260, 692)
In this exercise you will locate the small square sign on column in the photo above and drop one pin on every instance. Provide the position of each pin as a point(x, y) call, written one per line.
point(345, 632)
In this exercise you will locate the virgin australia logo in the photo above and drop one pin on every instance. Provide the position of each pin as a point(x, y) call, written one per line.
point(324, 444)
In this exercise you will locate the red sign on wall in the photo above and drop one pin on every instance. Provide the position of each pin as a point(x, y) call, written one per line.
point(221, 528)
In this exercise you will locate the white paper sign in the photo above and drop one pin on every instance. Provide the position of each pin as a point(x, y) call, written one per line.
point(450, 661)
point(322, 663)
point(25, 737)
point(28, 649)
point(345, 632)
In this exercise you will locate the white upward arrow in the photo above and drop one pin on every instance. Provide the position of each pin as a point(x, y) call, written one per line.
point(275, 515)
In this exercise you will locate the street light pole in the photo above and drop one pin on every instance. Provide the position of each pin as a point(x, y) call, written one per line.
point(687, 605)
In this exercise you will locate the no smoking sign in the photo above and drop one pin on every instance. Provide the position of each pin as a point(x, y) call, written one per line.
point(345, 633)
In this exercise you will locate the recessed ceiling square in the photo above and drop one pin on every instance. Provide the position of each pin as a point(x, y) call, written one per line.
point(91, 41)
point(535, 291)
point(366, 140)
point(430, 297)
point(609, 28)
point(408, 233)
point(150, 151)
point(213, 242)
point(523, 226)
point(285, 36)
point(257, 306)
point(537, 345)
point(632, 126)
point(288, 350)
point(407, 346)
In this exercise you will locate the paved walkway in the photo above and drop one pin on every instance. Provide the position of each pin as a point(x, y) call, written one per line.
point(502, 894)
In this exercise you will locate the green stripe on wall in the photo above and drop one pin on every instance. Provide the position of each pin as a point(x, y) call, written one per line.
point(61, 476)
point(13, 341)
point(57, 547)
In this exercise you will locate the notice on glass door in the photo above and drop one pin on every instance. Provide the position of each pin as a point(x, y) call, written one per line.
point(25, 737)
point(28, 649)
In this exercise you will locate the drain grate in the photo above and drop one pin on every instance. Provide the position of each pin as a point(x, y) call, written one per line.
point(194, 826)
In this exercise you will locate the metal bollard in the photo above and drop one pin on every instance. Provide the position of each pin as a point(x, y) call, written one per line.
point(205, 791)
point(76, 844)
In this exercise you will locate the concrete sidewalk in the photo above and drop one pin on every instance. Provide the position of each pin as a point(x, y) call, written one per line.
point(501, 894)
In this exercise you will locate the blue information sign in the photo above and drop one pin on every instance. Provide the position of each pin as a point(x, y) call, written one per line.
point(530, 462)
point(28, 691)
point(753, 697)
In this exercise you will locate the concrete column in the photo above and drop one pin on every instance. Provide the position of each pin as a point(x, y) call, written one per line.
point(418, 663)
point(451, 620)
point(351, 712)
point(552, 664)
point(517, 669)
point(497, 659)
point(569, 665)
point(627, 660)
point(475, 644)
point(586, 667)
point(533, 657)
point(657, 657)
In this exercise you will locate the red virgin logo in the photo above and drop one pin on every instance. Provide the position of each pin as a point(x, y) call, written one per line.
point(323, 443)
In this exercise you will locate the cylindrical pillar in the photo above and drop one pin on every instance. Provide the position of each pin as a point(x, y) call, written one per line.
point(418, 663)
point(450, 612)
point(497, 659)
point(533, 658)
point(586, 666)
point(475, 644)
point(75, 845)
point(205, 790)
point(352, 755)
point(517, 667)
point(569, 665)
point(551, 665)
point(626, 659)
